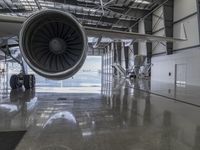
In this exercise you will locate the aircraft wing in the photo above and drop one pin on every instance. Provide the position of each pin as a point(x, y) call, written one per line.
point(10, 25)
point(7, 21)
point(117, 35)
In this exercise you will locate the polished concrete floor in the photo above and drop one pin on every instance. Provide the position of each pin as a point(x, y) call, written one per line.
point(123, 115)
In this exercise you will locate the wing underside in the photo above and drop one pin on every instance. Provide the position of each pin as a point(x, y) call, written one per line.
point(118, 35)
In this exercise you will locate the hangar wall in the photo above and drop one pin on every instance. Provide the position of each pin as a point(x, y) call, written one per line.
point(159, 30)
point(187, 52)
point(163, 65)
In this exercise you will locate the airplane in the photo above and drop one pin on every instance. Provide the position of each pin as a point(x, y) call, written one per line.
point(54, 44)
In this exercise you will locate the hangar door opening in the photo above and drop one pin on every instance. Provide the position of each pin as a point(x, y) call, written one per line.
point(180, 73)
point(88, 76)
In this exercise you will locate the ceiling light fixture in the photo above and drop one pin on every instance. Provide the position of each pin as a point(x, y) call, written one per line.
point(142, 1)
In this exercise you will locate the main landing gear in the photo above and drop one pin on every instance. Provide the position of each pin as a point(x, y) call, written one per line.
point(17, 81)
point(21, 79)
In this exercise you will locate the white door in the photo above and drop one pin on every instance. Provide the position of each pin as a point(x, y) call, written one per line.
point(180, 73)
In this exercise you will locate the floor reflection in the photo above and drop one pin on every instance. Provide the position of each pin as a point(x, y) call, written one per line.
point(120, 118)
point(184, 93)
point(4, 87)
point(16, 112)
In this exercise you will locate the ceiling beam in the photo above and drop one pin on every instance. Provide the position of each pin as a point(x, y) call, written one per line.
point(6, 10)
point(103, 18)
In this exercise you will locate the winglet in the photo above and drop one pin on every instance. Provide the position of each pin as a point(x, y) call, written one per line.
point(183, 33)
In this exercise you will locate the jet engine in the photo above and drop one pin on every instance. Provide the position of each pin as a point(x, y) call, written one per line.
point(53, 44)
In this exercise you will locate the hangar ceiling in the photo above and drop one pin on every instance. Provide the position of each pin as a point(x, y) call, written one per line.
point(122, 15)
point(110, 14)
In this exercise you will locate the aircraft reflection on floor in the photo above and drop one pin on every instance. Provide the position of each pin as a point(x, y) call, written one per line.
point(17, 112)
point(60, 132)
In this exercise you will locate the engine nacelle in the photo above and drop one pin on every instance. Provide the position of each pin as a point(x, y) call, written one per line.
point(53, 44)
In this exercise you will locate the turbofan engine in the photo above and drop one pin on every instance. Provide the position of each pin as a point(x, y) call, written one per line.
point(53, 44)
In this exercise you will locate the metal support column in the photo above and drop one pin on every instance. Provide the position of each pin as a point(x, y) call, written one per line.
point(118, 49)
point(148, 30)
point(123, 64)
point(131, 56)
point(112, 57)
point(126, 53)
point(115, 56)
point(168, 11)
point(102, 74)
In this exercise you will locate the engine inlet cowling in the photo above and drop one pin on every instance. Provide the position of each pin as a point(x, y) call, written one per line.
point(53, 44)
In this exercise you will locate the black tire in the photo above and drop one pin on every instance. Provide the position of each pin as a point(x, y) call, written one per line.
point(16, 95)
point(29, 94)
point(132, 77)
point(33, 81)
point(13, 94)
point(14, 82)
point(29, 81)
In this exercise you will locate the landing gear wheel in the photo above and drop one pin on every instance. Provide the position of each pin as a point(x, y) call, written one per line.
point(29, 81)
point(15, 82)
point(132, 77)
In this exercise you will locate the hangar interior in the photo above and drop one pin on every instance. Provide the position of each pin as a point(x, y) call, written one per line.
point(134, 93)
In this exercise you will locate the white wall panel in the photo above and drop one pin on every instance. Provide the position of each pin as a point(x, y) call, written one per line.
point(158, 23)
point(161, 69)
point(142, 48)
point(162, 65)
point(159, 48)
point(183, 8)
point(192, 31)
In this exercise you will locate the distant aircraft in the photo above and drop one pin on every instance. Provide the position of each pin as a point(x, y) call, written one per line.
point(54, 44)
